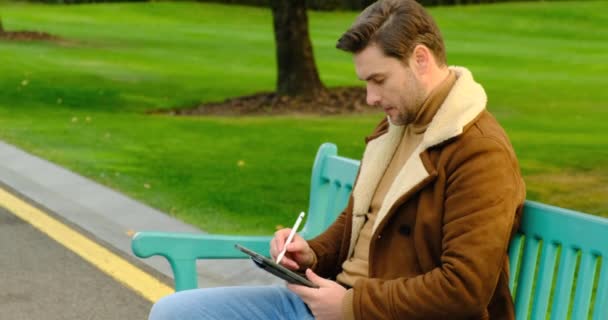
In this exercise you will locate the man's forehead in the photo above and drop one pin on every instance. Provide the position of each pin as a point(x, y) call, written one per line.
point(371, 62)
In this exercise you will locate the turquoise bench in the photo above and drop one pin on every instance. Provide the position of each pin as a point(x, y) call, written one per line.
point(557, 258)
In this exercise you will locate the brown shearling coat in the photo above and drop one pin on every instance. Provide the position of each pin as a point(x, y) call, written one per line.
point(439, 244)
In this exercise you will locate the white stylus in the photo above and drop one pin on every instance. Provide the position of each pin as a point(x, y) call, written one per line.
point(291, 235)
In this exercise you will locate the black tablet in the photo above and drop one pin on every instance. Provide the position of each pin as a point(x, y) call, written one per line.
point(276, 269)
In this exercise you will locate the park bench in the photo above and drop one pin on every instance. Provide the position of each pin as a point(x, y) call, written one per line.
point(557, 259)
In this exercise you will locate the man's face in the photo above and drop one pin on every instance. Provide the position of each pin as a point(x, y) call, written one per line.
point(391, 84)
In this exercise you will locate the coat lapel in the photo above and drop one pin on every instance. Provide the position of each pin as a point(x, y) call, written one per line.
point(410, 175)
point(376, 158)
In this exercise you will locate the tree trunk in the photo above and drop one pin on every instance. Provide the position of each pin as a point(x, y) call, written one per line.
point(297, 72)
point(1, 27)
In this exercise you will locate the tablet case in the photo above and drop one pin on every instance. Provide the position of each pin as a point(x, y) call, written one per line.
point(276, 269)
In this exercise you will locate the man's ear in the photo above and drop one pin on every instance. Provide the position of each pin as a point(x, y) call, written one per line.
point(421, 59)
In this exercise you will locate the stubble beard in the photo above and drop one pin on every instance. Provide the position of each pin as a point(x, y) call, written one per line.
point(404, 118)
point(407, 115)
point(411, 105)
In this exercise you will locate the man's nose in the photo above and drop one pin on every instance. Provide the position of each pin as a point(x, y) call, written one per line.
point(373, 98)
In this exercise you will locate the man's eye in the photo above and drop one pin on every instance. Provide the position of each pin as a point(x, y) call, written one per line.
point(379, 81)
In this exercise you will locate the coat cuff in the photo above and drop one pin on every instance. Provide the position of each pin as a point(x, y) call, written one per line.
point(312, 265)
point(348, 311)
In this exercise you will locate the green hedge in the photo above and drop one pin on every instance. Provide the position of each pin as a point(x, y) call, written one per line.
point(82, 1)
point(358, 4)
point(312, 4)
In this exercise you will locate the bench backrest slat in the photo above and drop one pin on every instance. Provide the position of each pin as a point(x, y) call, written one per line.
point(546, 273)
point(584, 285)
point(563, 287)
point(525, 281)
point(600, 310)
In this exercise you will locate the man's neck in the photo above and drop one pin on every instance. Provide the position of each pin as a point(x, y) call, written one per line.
point(437, 77)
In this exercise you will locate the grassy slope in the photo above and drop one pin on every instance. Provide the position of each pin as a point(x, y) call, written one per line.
point(80, 104)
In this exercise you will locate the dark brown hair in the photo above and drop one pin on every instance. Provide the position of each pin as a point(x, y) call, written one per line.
point(397, 26)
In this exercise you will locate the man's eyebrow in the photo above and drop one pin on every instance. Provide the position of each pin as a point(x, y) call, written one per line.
point(371, 76)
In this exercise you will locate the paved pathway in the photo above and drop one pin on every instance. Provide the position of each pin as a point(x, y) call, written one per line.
point(101, 214)
point(41, 279)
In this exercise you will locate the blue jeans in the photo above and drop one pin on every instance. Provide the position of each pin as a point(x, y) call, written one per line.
point(259, 302)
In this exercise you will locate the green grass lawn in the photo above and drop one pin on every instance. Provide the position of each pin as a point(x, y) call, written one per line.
point(81, 103)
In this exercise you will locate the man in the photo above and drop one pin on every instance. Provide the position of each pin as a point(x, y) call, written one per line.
point(438, 197)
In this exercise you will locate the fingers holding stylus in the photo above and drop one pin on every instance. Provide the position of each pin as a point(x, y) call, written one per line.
point(278, 243)
point(297, 254)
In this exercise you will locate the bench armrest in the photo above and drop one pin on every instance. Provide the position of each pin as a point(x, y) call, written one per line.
point(183, 249)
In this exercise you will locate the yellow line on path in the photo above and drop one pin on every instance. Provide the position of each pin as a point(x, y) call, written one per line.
point(108, 262)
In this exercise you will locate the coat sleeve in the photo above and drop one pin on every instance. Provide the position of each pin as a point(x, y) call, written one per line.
point(482, 195)
point(328, 245)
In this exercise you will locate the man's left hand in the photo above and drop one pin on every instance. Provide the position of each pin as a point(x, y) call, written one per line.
point(324, 302)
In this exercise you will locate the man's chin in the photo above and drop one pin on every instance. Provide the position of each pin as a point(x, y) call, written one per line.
point(395, 120)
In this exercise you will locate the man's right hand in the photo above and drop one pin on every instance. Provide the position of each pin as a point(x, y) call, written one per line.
point(299, 255)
